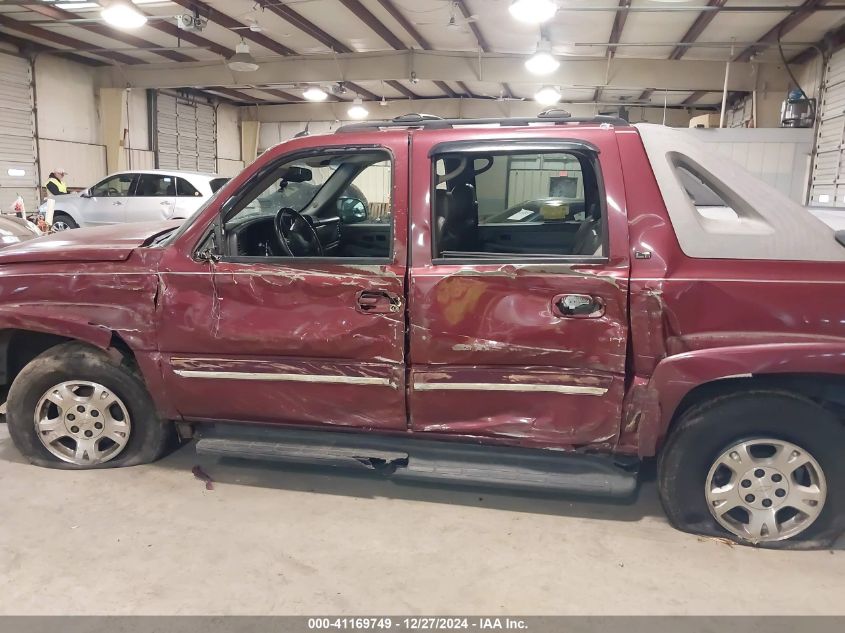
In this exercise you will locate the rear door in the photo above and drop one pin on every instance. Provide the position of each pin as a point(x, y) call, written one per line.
point(518, 306)
point(154, 198)
point(188, 198)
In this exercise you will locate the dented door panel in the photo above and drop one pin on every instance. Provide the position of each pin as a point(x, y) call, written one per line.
point(491, 355)
point(291, 340)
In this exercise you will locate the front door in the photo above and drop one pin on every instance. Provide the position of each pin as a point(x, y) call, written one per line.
point(153, 200)
point(518, 300)
point(107, 201)
point(298, 318)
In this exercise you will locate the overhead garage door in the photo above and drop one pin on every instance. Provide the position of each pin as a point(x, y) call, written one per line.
point(186, 135)
point(828, 185)
point(18, 173)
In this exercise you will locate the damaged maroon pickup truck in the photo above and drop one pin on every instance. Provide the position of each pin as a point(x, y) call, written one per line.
point(528, 303)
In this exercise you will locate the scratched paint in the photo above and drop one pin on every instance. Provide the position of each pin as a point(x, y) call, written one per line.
point(671, 323)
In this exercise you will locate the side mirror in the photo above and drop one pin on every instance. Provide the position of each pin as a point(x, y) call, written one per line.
point(351, 210)
point(85, 193)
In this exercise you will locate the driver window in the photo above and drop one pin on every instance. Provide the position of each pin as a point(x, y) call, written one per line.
point(116, 186)
point(336, 205)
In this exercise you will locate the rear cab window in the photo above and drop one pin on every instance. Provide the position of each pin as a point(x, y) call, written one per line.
point(517, 204)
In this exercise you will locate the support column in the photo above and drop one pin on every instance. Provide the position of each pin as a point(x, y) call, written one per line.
point(249, 140)
point(114, 126)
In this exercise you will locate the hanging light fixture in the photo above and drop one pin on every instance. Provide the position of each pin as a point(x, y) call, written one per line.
point(542, 62)
point(242, 61)
point(315, 93)
point(122, 14)
point(533, 11)
point(547, 95)
point(357, 110)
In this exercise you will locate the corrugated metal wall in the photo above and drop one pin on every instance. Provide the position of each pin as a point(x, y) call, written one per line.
point(827, 188)
point(186, 135)
point(18, 173)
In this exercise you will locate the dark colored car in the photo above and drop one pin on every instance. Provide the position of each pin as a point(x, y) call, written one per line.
point(412, 331)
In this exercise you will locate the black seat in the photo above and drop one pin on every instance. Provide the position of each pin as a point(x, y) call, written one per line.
point(456, 219)
point(588, 238)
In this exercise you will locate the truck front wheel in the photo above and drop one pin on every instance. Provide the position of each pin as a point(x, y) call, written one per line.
point(762, 468)
point(75, 407)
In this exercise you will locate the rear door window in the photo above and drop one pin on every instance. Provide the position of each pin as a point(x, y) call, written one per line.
point(184, 189)
point(517, 205)
point(156, 186)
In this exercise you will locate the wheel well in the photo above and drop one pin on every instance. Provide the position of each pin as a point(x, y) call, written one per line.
point(827, 390)
point(19, 347)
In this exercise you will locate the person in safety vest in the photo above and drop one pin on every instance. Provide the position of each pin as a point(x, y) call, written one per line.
point(56, 183)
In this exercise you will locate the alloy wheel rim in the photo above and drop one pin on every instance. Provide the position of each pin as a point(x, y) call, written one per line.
point(60, 225)
point(764, 490)
point(82, 423)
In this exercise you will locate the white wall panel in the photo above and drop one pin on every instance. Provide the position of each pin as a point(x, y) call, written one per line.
point(778, 156)
point(86, 164)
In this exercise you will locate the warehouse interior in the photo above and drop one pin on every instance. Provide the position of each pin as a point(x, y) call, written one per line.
point(105, 96)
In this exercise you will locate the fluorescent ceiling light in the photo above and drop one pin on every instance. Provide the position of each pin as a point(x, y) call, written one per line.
point(122, 14)
point(542, 62)
point(357, 110)
point(547, 95)
point(242, 61)
point(315, 93)
point(533, 11)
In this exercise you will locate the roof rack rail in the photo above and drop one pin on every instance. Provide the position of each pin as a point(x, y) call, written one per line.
point(414, 120)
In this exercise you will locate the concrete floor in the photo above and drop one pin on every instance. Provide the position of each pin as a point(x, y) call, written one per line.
point(153, 540)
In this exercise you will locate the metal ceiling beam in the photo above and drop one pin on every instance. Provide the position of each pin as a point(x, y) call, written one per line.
point(414, 32)
point(701, 23)
point(189, 36)
point(379, 28)
point(482, 41)
point(287, 96)
point(694, 97)
point(626, 73)
point(376, 25)
point(60, 15)
point(234, 94)
point(615, 36)
point(231, 23)
point(831, 41)
point(63, 40)
point(26, 47)
point(798, 15)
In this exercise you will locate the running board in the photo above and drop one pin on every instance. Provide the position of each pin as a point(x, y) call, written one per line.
point(426, 460)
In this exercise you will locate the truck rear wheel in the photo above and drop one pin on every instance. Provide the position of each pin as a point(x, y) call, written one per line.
point(762, 468)
point(74, 407)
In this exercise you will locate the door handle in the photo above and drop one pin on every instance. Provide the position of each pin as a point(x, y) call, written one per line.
point(165, 203)
point(117, 203)
point(578, 306)
point(377, 302)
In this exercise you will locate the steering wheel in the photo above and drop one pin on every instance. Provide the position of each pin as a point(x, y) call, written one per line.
point(296, 235)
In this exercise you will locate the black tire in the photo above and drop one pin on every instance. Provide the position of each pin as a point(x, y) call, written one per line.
point(64, 217)
point(150, 437)
point(707, 430)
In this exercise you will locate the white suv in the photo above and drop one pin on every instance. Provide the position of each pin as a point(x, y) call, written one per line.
point(136, 196)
